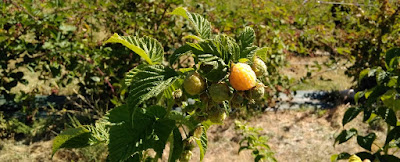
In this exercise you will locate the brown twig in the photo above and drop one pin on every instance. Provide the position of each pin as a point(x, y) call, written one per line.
point(23, 9)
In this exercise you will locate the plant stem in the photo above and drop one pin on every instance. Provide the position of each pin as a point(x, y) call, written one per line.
point(386, 147)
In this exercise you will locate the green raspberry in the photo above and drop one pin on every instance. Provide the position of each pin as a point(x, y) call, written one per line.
point(257, 93)
point(259, 67)
point(219, 92)
point(237, 100)
point(194, 84)
point(186, 156)
point(217, 114)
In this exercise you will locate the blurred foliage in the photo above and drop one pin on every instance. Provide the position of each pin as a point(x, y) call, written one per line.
point(62, 42)
point(253, 140)
point(360, 31)
point(379, 103)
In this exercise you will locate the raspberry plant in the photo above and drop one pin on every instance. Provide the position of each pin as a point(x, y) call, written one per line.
point(176, 105)
point(378, 103)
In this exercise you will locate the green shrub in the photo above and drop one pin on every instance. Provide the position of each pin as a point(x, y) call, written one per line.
point(150, 117)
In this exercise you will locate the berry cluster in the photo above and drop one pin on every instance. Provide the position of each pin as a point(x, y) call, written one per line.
point(237, 87)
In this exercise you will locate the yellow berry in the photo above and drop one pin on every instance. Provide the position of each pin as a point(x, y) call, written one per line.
point(242, 77)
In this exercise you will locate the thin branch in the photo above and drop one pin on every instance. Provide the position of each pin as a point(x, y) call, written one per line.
point(23, 9)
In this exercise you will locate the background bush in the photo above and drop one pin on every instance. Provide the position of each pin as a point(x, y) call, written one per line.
point(62, 43)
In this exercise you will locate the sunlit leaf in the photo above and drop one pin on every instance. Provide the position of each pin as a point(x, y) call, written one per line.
point(147, 48)
point(350, 114)
point(71, 138)
point(201, 25)
point(345, 135)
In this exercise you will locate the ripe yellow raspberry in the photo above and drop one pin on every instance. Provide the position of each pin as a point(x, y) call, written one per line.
point(242, 77)
point(194, 84)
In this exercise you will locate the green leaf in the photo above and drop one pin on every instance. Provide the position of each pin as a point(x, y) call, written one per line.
point(365, 155)
point(380, 76)
point(366, 141)
point(258, 158)
point(131, 134)
point(350, 114)
point(183, 50)
point(213, 68)
point(147, 81)
point(246, 38)
point(263, 53)
point(176, 84)
point(394, 63)
point(389, 99)
point(243, 60)
point(388, 115)
point(176, 146)
point(162, 129)
point(363, 73)
point(180, 118)
point(147, 48)
point(389, 158)
point(345, 135)
point(369, 92)
point(221, 46)
point(390, 54)
point(122, 140)
point(202, 143)
point(180, 11)
point(71, 138)
point(374, 94)
point(394, 134)
point(201, 25)
point(358, 95)
point(341, 156)
point(392, 81)
point(354, 158)
point(192, 37)
point(367, 114)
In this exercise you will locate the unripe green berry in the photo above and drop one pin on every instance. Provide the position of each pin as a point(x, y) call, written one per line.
point(194, 84)
point(237, 100)
point(259, 67)
point(219, 92)
point(217, 114)
point(186, 156)
point(257, 93)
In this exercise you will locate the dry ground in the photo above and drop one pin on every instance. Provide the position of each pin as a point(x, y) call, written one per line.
point(327, 78)
point(297, 135)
